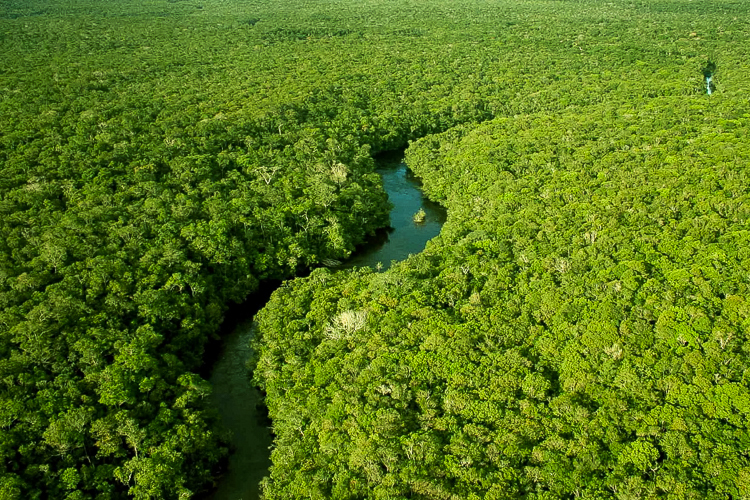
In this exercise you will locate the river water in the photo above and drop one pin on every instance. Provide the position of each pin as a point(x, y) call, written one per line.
point(238, 401)
point(404, 237)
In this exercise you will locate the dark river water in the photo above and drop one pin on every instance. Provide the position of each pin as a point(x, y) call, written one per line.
point(238, 401)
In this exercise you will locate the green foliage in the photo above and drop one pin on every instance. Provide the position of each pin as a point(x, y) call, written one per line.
point(584, 307)
point(577, 330)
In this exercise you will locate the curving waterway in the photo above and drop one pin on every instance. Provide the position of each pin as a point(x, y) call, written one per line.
point(238, 401)
point(405, 236)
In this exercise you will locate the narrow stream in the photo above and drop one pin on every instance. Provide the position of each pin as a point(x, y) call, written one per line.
point(236, 398)
point(708, 75)
point(405, 236)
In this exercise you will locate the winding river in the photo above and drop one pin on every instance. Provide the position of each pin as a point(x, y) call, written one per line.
point(239, 403)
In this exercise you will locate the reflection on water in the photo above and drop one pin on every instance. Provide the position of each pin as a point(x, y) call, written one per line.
point(237, 400)
point(234, 395)
point(405, 236)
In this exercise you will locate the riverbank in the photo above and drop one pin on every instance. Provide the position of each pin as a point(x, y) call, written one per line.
point(239, 403)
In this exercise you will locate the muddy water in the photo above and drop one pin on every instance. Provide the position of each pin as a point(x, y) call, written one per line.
point(236, 398)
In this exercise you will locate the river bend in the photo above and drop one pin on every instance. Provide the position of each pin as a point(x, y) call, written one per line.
point(238, 401)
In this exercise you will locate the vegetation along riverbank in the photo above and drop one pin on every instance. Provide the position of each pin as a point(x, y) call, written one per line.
point(577, 330)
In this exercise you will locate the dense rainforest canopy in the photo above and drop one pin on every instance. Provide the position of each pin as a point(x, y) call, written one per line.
point(577, 331)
